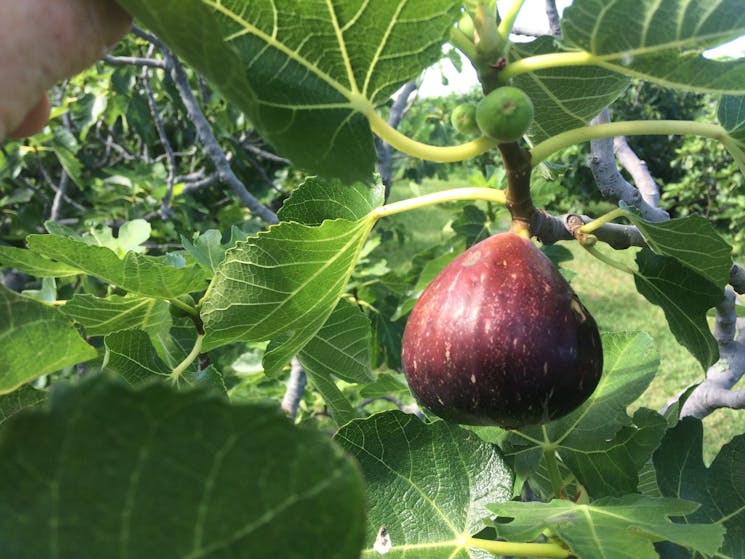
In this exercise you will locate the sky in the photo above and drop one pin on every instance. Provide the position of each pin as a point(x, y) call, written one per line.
point(532, 16)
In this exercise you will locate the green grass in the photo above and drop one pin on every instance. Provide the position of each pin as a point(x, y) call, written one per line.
point(609, 294)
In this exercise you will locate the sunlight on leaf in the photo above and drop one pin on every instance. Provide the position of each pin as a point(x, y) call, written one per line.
point(303, 86)
point(719, 488)
point(36, 339)
point(428, 484)
point(661, 41)
point(613, 528)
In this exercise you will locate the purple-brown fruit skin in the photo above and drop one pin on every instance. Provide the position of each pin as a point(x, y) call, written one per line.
point(500, 338)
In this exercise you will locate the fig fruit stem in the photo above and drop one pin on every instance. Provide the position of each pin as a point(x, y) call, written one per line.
point(517, 549)
point(457, 194)
point(508, 22)
point(463, 43)
point(542, 151)
point(184, 307)
point(607, 259)
point(551, 60)
point(517, 165)
point(181, 367)
point(442, 154)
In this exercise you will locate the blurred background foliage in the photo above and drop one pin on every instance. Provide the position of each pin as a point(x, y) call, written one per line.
point(120, 146)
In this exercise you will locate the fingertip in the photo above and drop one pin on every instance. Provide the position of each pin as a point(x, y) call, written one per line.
point(34, 121)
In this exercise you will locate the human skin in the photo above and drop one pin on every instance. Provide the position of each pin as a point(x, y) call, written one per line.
point(43, 42)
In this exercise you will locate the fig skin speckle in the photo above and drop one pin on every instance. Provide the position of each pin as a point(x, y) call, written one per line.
point(502, 314)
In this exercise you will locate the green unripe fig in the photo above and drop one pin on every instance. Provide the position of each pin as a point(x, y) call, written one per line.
point(505, 114)
point(463, 119)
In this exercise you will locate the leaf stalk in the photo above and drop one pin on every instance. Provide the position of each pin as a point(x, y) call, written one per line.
point(413, 148)
point(517, 549)
point(181, 367)
point(542, 151)
point(457, 194)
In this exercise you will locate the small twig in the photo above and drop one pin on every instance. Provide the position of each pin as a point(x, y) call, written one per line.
point(199, 184)
point(295, 388)
point(716, 391)
point(639, 171)
point(406, 408)
point(134, 61)
point(384, 150)
point(554, 19)
point(165, 206)
point(206, 134)
point(59, 195)
point(54, 187)
point(610, 181)
point(529, 32)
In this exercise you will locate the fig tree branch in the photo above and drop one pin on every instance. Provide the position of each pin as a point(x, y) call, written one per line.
point(295, 388)
point(383, 148)
point(518, 170)
point(165, 207)
point(612, 184)
point(206, 134)
point(716, 391)
point(134, 61)
point(554, 20)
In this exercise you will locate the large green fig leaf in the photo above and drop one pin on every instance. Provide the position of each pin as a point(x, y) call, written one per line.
point(719, 488)
point(35, 339)
point(612, 469)
point(35, 264)
point(341, 346)
point(612, 528)
point(340, 349)
point(101, 316)
point(731, 115)
point(145, 275)
point(306, 71)
point(282, 284)
point(693, 242)
point(318, 199)
point(151, 473)
point(428, 485)
point(661, 41)
point(685, 296)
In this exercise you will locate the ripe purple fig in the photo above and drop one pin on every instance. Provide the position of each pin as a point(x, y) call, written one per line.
point(500, 338)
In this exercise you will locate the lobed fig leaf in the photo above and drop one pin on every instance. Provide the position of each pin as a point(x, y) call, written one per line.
point(500, 338)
